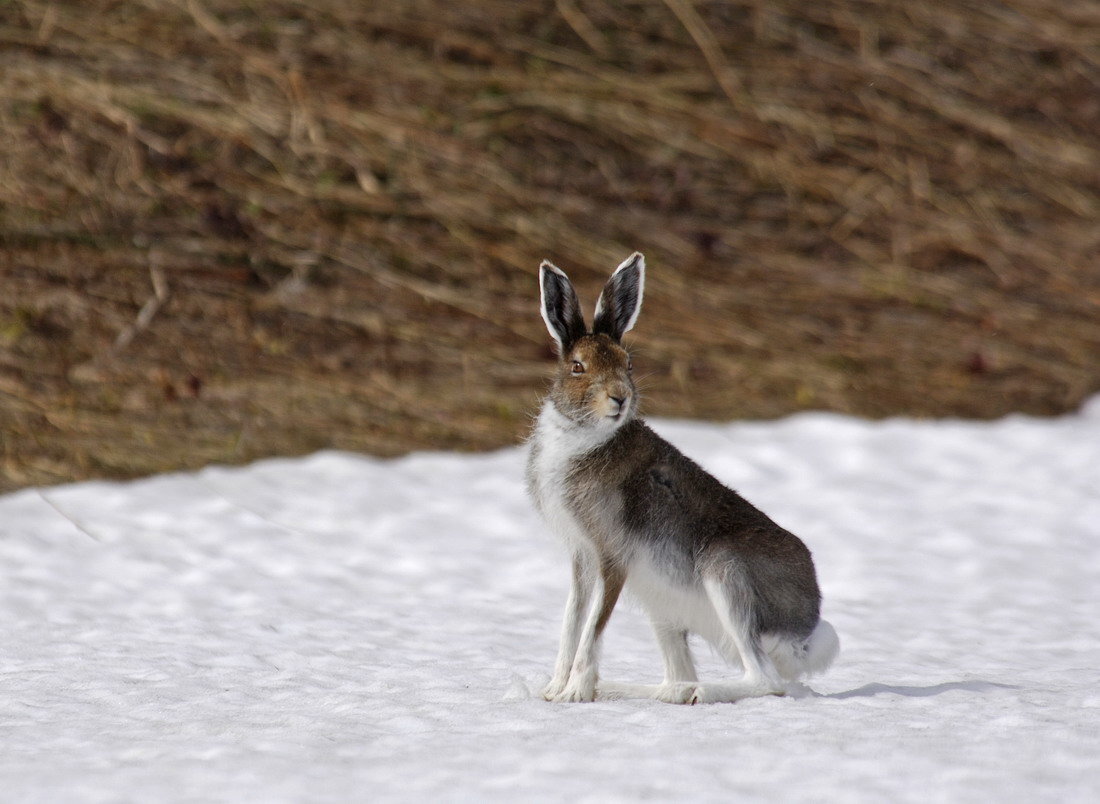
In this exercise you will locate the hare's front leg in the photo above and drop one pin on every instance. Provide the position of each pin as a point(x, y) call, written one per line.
point(581, 684)
point(580, 593)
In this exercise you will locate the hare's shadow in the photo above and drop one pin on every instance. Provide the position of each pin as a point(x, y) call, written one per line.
point(871, 690)
point(611, 690)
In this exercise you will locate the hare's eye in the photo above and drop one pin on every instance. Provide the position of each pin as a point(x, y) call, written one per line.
point(578, 367)
point(629, 364)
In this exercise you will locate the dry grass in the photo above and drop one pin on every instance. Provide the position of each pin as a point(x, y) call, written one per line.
point(232, 229)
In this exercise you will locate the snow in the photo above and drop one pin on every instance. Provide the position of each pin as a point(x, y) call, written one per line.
point(338, 627)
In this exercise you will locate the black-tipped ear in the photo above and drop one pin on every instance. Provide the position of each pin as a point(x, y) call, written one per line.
point(621, 300)
point(560, 308)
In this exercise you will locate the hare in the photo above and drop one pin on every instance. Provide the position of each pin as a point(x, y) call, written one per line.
point(635, 512)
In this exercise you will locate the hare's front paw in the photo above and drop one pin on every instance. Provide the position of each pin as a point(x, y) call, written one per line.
point(576, 693)
point(552, 690)
point(581, 688)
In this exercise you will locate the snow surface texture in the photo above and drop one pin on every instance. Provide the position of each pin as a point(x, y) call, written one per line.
point(342, 628)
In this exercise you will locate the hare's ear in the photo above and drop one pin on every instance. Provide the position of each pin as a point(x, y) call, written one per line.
point(621, 300)
point(560, 308)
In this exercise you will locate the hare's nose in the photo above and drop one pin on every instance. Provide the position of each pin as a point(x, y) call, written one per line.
point(618, 400)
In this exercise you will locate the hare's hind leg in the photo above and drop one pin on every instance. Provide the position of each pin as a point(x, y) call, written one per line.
point(680, 679)
point(679, 684)
point(734, 613)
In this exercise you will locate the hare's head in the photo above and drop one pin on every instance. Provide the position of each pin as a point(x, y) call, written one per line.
point(593, 386)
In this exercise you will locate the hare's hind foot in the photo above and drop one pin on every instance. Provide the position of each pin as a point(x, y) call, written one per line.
point(673, 692)
point(677, 692)
point(732, 692)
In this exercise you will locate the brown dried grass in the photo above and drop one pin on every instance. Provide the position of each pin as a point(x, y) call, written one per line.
point(233, 229)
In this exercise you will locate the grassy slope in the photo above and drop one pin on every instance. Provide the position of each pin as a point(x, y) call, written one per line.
point(234, 229)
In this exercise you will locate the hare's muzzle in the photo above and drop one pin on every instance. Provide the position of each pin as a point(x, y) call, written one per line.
point(617, 404)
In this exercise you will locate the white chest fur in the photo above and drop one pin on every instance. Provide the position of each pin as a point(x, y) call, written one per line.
point(556, 444)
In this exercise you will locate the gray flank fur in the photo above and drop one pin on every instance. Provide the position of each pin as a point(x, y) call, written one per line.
point(661, 498)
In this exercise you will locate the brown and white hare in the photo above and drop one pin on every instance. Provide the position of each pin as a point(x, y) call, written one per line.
point(635, 512)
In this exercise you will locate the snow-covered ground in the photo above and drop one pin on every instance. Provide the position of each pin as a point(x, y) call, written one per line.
point(342, 628)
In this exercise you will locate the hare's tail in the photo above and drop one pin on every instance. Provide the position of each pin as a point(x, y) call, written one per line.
point(822, 648)
point(808, 657)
